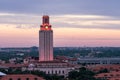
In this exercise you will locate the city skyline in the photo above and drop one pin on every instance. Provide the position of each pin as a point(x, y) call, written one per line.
point(75, 23)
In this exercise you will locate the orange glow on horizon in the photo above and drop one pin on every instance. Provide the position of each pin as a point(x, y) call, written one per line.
point(11, 36)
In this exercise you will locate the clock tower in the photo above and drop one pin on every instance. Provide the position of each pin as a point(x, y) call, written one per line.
point(45, 40)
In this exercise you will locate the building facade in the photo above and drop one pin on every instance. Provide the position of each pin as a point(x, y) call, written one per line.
point(95, 61)
point(45, 40)
point(51, 67)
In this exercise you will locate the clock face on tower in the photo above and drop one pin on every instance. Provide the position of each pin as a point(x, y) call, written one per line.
point(46, 27)
point(45, 24)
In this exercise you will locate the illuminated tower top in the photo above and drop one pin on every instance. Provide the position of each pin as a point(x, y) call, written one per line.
point(45, 23)
point(45, 19)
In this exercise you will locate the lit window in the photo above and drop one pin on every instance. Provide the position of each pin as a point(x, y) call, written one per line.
point(46, 27)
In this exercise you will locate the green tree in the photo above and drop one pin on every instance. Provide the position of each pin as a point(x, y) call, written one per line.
point(103, 71)
point(82, 74)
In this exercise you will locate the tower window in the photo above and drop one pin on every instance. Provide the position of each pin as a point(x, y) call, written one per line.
point(46, 20)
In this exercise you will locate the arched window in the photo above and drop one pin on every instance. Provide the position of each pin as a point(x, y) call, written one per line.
point(56, 72)
point(59, 72)
point(63, 72)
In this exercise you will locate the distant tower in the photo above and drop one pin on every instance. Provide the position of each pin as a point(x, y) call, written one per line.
point(45, 40)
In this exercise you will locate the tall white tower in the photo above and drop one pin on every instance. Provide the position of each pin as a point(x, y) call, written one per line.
point(45, 40)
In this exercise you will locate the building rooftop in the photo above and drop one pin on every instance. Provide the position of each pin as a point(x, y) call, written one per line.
point(109, 76)
point(54, 61)
point(110, 67)
point(11, 65)
point(21, 77)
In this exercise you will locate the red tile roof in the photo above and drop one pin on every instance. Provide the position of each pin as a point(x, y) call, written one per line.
point(55, 61)
point(21, 76)
point(109, 76)
point(110, 67)
point(10, 65)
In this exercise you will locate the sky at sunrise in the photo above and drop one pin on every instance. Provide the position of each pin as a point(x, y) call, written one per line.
point(76, 23)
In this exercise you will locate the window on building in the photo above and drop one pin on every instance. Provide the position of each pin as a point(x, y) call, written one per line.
point(59, 72)
point(27, 78)
point(10, 79)
point(36, 79)
point(63, 72)
point(55, 72)
point(46, 20)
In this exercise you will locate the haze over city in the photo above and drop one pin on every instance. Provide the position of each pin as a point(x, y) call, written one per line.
point(75, 22)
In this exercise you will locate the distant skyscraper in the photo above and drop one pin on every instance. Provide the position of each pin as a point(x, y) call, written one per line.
point(45, 40)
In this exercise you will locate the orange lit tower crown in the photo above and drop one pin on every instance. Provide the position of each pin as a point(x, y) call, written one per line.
point(45, 23)
point(45, 40)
